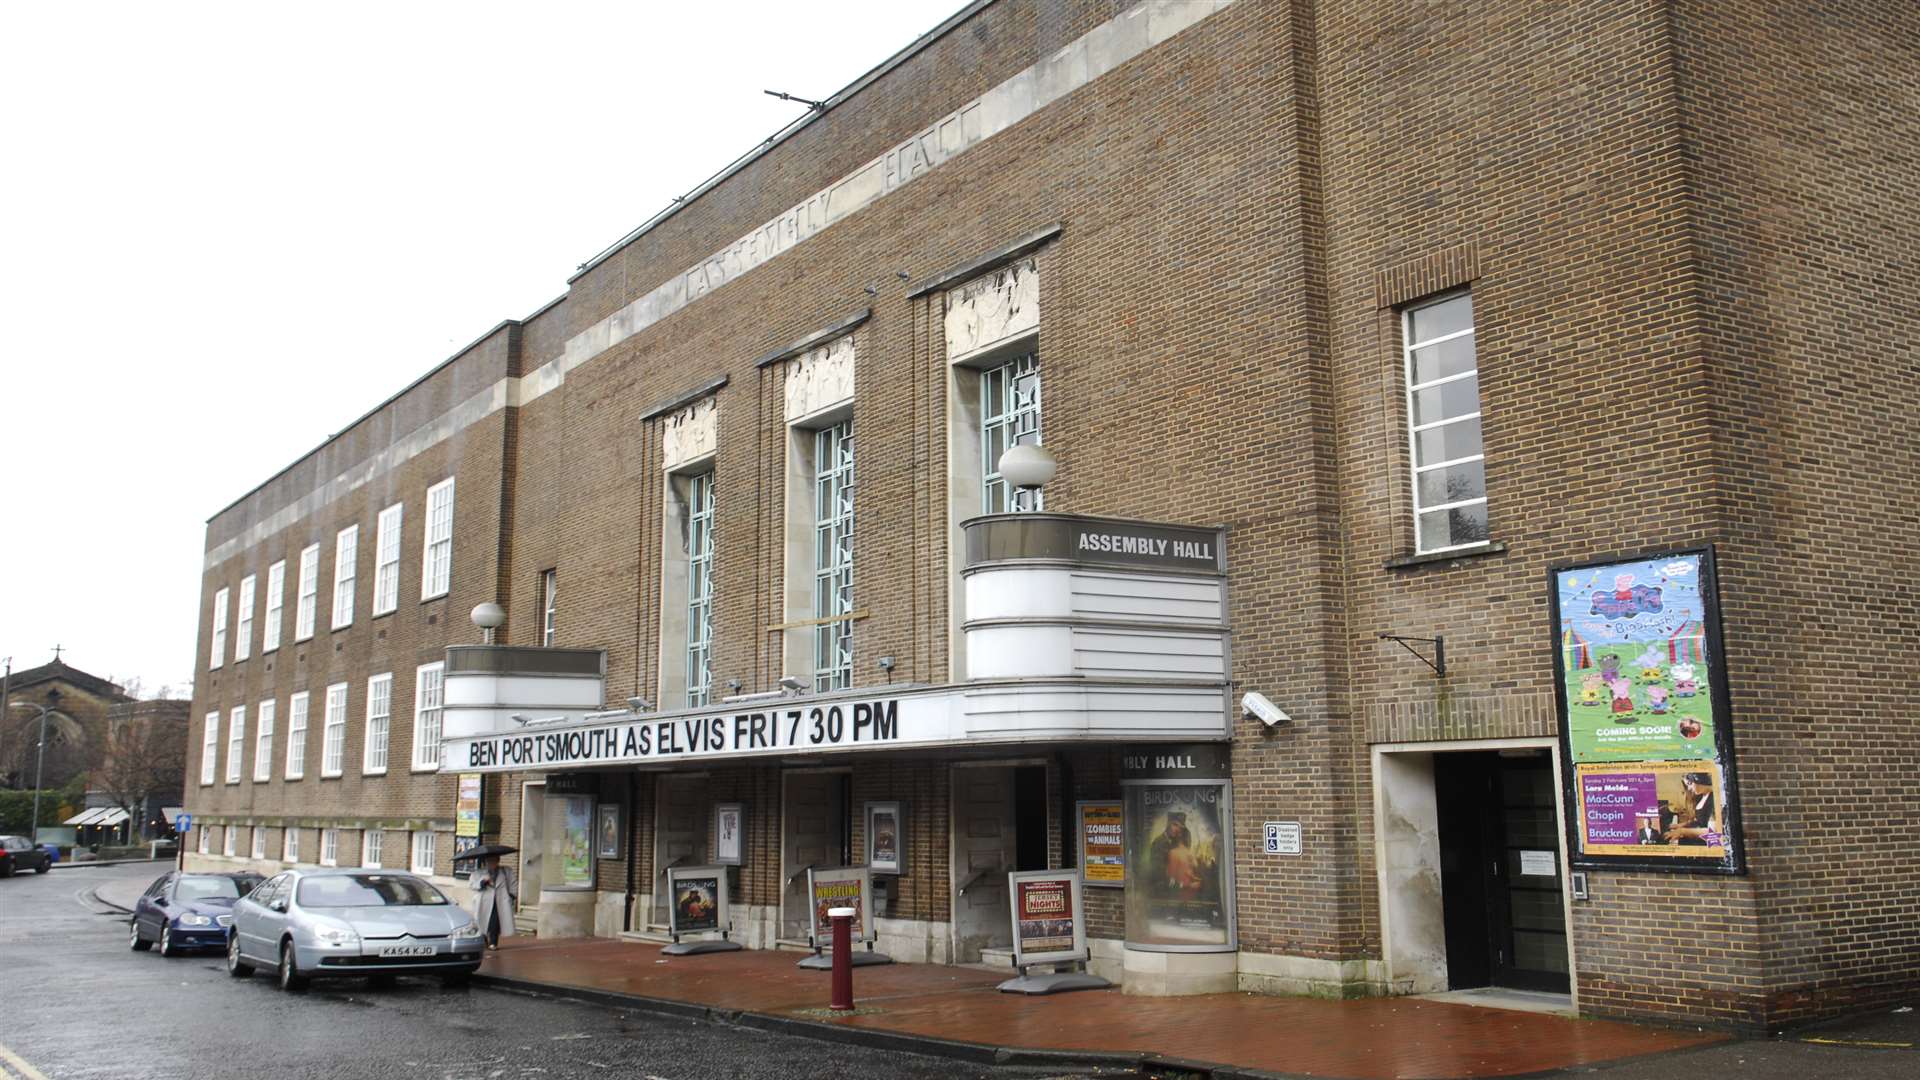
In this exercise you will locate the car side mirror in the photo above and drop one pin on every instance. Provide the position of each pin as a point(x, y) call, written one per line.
point(277, 905)
point(159, 901)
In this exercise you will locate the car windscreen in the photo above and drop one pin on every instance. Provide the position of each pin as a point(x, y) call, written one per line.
point(368, 890)
point(204, 887)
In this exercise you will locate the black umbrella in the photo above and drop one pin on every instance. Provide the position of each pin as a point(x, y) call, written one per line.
point(484, 851)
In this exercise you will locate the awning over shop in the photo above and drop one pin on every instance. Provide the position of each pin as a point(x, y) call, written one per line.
point(100, 816)
point(172, 814)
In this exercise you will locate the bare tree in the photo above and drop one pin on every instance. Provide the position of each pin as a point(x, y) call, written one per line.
point(144, 756)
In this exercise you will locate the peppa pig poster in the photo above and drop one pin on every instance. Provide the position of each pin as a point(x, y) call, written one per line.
point(1642, 703)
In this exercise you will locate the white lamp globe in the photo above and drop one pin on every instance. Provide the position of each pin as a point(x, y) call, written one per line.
point(1027, 465)
point(489, 616)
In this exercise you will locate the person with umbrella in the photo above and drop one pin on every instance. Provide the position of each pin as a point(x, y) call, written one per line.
point(496, 892)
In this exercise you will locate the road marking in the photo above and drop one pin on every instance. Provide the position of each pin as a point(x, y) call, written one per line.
point(1861, 1042)
point(20, 1065)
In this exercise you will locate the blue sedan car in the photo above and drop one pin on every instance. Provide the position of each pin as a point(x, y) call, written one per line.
point(183, 911)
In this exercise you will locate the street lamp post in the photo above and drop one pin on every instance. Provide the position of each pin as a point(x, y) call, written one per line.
point(39, 765)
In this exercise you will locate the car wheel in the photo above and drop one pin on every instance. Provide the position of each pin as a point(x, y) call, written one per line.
point(290, 977)
point(167, 947)
point(236, 967)
point(7, 870)
point(135, 941)
point(43, 868)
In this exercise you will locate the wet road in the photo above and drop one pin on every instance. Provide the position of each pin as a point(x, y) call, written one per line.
point(76, 1003)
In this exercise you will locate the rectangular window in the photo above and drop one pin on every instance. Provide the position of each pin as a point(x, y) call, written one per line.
point(236, 742)
point(699, 588)
point(1009, 416)
point(263, 744)
point(370, 849)
point(259, 842)
point(229, 841)
point(386, 561)
point(205, 831)
point(243, 625)
point(423, 849)
point(549, 606)
point(329, 847)
point(297, 736)
point(303, 612)
point(333, 739)
point(290, 845)
point(833, 556)
point(210, 748)
point(219, 650)
point(373, 758)
point(346, 556)
point(276, 603)
point(1443, 421)
point(436, 569)
point(428, 684)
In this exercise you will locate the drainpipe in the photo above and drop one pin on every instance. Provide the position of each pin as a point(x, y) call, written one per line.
point(633, 800)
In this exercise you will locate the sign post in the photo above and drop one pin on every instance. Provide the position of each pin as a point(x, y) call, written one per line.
point(182, 825)
point(1049, 927)
point(697, 904)
point(832, 888)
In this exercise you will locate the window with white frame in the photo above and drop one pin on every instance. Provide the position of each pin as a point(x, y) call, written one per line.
point(429, 682)
point(329, 847)
point(423, 844)
point(1443, 418)
point(699, 588)
point(229, 841)
point(549, 605)
point(205, 839)
point(219, 650)
point(370, 842)
point(1009, 416)
point(346, 557)
point(210, 748)
point(263, 742)
point(305, 606)
point(259, 842)
point(333, 738)
point(386, 561)
point(373, 754)
point(243, 624)
point(297, 736)
point(833, 556)
point(290, 845)
point(436, 568)
point(236, 742)
point(276, 603)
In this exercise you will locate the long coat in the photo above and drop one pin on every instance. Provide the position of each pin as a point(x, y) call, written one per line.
point(495, 892)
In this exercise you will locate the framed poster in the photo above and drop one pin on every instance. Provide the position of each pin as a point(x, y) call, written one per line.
point(468, 806)
point(1646, 731)
point(576, 841)
point(729, 833)
point(886, 850)
point(607, 832)
point(840, 886)
point(1048, 925)
point(1103, 843)
point(1177, 806)
point(697, 899)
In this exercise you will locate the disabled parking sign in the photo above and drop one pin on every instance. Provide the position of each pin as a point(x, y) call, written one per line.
point(1283, 837)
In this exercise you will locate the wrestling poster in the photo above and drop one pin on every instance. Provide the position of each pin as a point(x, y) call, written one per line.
point(836, 887)
point(1641, 691)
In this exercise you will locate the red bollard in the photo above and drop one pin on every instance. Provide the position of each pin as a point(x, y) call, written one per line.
point(842, 958)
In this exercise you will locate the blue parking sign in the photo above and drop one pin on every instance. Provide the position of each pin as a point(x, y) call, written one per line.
point(183, 823)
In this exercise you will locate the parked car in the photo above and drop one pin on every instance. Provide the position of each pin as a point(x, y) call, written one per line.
point(322, 923)
point(18, 853)
point(184, 911)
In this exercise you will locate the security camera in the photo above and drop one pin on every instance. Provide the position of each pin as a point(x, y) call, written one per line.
point(1269, 714)
point(639, 704)
point(793, 683)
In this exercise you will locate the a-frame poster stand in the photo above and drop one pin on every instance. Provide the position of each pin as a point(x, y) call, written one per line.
point(697, 904)
point(841, 886)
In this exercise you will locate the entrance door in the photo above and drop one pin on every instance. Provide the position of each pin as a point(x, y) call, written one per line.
point(985, 848)
point(1500, 871)
point(533, 819)
point(679, 834)
point(814, 833)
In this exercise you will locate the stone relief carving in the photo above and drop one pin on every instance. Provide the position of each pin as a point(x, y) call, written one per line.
point(992, 309)
point(690, 434)
point(820, 378)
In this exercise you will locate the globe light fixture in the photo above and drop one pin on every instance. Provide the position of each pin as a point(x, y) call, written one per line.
point(1027, 466)
point(488, 617)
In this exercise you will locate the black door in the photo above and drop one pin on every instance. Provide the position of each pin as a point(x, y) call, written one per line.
point(1500, 871)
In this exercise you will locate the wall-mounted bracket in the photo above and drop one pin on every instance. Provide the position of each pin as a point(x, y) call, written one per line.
point(1439, 661)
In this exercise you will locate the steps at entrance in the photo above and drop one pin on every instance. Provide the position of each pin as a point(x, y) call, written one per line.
point(647, 936)
point(1000, 958)
point(526, 922)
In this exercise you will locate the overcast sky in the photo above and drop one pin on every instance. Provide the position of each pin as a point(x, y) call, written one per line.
point(227, 230)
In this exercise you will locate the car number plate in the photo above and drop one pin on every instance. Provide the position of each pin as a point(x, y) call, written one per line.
point(407, 950)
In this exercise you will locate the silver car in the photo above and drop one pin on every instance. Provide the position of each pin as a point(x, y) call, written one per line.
point(313, 923)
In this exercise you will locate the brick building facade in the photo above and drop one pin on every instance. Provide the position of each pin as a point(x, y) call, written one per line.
point(1666, 241)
